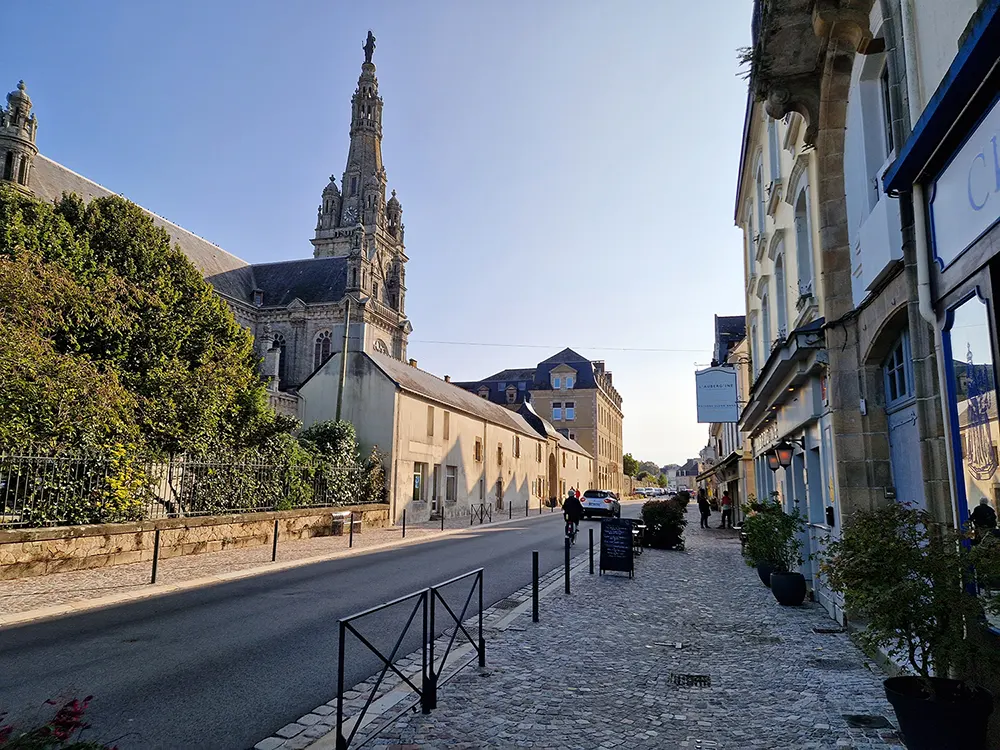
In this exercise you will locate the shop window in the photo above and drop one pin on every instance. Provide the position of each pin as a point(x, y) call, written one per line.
point(419, 477)
point(972, 396)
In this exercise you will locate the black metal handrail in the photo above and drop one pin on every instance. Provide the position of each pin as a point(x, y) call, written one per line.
point(482, 512)
point(421, 597)
point(459, 620)
point(425, 600)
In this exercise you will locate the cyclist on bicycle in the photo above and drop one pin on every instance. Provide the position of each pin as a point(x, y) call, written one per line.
point(573, 509)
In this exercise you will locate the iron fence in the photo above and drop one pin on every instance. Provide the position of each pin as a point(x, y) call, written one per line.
point(423, 603)
point(44, 489)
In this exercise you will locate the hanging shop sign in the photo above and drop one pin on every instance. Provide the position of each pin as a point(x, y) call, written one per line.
point(717, 396)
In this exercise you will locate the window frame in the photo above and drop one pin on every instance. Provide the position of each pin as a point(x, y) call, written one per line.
point(569, 410)
point(557, 411)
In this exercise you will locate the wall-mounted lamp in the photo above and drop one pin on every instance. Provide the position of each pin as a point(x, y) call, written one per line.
point(784, 451)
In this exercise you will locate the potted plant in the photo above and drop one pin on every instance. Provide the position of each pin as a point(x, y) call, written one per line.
point(773, 548)
point(914, 584)
point(665, 521)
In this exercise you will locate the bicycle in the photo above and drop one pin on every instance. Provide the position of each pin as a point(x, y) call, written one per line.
point(571, 530)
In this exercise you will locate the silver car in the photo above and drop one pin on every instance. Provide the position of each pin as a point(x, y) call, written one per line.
point(601, 503)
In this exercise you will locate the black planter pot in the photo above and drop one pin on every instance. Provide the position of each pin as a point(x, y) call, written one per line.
point(955, 721)
point(788, 588)
point(764, 570)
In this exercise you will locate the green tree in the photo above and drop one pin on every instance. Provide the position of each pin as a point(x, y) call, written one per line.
point(629, 465)
point(661, 480)
point(111, 308)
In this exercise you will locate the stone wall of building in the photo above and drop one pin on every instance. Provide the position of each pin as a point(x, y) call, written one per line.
point(35, 552)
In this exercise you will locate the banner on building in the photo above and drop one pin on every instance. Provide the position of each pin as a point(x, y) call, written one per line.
point(716, 394)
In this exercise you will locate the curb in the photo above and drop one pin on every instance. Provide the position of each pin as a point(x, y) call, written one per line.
point(165, 589)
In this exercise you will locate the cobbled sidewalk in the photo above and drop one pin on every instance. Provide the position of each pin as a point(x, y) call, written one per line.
point(599, 670)
point(26, 595)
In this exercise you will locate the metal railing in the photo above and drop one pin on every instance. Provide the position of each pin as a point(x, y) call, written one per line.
point(45, 489)
point(483, 512)
point(426, 604)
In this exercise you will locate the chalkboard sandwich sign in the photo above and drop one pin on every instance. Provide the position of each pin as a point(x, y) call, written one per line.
point(616, 546)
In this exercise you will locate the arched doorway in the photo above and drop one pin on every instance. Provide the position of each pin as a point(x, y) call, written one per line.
point(553, 479)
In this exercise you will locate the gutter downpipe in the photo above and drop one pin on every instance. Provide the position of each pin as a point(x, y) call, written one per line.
point(925, 303)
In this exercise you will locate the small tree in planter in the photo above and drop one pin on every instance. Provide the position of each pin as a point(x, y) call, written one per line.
point(911, 581)
point(665, 521)
point(774, 548)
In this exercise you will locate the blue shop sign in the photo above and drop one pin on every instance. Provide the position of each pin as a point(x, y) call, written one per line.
point(965, 200)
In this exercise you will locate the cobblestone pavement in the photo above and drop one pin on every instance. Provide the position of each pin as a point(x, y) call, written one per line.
point(25, 595)
point(599, 670)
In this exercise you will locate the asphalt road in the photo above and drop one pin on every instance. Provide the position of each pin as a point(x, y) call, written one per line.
point(224, 666)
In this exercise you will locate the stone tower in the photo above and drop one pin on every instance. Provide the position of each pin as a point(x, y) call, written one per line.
point(356, 221)
point(18, 128)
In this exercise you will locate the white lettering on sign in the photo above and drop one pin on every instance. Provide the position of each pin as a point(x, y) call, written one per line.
point(966, 198)
point(716, 395)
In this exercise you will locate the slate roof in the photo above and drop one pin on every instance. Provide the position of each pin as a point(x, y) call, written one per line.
point(313, 280)
point(229, 275)
point(527, 373)
point(425, 384)
point(567, 355)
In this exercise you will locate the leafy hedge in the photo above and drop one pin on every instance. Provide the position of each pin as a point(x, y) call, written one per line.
point(665, 521)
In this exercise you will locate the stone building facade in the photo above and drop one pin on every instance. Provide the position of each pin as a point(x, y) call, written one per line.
point(297, 310)
point(578, 397)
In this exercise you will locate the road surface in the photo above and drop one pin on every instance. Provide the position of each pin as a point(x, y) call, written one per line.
point(224, 666)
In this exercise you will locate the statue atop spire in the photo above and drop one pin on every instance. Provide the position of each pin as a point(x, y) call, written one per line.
point(369, 47)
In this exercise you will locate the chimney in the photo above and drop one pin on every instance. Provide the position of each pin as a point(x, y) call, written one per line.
point(413, 363)
point(599, 366)
point(447, 378)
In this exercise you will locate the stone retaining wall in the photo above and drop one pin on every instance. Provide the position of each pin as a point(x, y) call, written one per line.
point(36, 552)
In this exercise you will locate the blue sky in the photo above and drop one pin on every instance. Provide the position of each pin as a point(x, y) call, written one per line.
point(566, 168)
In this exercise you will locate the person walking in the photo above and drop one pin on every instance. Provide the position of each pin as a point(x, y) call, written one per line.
point(727, 510)
point(704, 507)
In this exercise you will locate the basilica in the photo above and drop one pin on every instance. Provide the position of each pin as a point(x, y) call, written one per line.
point(297, 310)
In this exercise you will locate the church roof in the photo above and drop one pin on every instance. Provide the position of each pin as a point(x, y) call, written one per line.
point(229, 275)
point(313, 280)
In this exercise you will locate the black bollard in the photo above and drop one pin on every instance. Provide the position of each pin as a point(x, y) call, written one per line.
point(534, 586)
point(350, 538)
point(510, 511)
point(274, 542)
point(404, 523)
point(442, 519)
point(156, 554)
point(567, 565)
point(591, 530)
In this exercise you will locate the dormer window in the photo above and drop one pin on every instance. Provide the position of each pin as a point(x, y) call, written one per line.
point(484, 392)
point(556, 382)
point(569, 381)
point(258, 298)
point(511, 393)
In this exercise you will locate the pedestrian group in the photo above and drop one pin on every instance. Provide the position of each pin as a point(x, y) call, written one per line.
point(705, 507)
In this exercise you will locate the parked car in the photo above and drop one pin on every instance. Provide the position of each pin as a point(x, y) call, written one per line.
point(601, 503)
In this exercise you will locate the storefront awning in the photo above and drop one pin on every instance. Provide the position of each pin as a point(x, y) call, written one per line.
point(975, 62)
point(727, 463)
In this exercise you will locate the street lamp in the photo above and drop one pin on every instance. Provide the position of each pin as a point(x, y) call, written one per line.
point(784, 451)
point(772, 460)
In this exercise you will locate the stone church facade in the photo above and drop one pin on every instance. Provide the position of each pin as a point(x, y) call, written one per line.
point(297, 310)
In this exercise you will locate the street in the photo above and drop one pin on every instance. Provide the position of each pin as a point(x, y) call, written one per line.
point(223, 666)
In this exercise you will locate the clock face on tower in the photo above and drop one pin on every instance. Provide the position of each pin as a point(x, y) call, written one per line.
point(350, 215)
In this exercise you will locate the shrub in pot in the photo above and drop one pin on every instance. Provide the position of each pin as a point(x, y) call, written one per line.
point(773, 548)
point(665, 521)
point(914, 584)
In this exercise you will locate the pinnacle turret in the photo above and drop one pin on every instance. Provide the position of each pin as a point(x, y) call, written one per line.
point(18, 128)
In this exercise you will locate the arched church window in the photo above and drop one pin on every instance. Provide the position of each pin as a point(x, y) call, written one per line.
point(8, 166)
point(380, 347)
point(321, 352)
point(23, 179)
